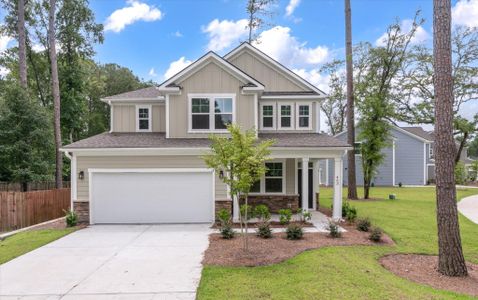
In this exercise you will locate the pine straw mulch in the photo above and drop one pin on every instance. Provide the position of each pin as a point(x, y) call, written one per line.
point(273, 224)
point(261, 251)
point(423, 269)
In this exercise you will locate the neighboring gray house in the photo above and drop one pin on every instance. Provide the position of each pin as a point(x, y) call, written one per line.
point(409, 160)
point(149, 168)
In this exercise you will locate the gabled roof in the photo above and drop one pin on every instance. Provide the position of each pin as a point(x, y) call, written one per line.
point(275, 63)
point(171, 83)
point(149, 93)
point(413, 132)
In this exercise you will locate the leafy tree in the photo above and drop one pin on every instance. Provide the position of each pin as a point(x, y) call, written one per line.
point(461, 175)
point(464, 129)
point(474, 171)
point(334, 106)
point(240, 158)
point(257, 11)
point(25, 138)
point(374, 94)
point(451, 261)
point(473, 148)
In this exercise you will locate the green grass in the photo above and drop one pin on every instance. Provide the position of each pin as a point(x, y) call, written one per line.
point(27, 241)
point(350, 272)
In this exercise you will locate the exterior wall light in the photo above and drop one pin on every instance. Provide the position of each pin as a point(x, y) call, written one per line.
point(81, 175)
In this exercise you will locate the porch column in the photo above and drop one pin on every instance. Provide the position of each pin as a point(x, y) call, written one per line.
point(315, 181)
point(338, 182)
point(305, 183)
point(235, 209)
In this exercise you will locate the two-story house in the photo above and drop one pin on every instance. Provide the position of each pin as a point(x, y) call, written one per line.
point(149, 169)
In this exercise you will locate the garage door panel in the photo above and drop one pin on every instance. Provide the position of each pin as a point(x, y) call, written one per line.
point(165, 197)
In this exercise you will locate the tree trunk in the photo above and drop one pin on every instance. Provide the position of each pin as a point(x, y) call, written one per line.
point(450, 254)
point(56, 95)
point(22, 56)
point(460, 149)
point(351, 182)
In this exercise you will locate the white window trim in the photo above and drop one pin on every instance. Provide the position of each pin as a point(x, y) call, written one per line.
point(150, 117)
point(297, 115)
point(211, 112)
point(292, 115)
point(263, 180)
point(274, 115)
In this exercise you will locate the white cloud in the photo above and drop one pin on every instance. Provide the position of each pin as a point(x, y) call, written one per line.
point(222, 34)
point(289, 10)
point(465, 12)
point(285, 48)
point(313, 76)
point(178, 34)
point(176, 66)
point(135, 11)
point(421, 35)
point(4, 41)
point(152, 73)
point(37, 47)
point(4, 71)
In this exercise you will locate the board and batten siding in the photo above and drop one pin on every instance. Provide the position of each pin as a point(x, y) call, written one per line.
point(124, 117)
point(273, 79)
point(124, 162)
point(211, 79)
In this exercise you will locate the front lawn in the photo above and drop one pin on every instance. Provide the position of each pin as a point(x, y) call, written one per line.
point(27, 241)
point(350, 272)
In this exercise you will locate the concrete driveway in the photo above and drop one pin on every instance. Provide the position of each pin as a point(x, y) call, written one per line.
point(469, 208)
point(111, 262)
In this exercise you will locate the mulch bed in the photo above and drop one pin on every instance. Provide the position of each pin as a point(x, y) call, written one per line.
point(423, 269)
point(277, 249)
point(273, 224)
point(58, 224)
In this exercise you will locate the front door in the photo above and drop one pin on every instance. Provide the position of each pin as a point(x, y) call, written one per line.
point(311, 188)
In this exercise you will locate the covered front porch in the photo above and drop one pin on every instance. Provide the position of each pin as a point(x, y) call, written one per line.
point(288, 185)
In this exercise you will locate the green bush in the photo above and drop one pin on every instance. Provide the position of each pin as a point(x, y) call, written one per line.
point(334, 230)
point(250, 212)
point(224, 217)
point(364, 224)
point(261, 211)
point(227, 232)
point(71, 218)
point(294, 232)
point(285, 215)
point(349, 212)
point(460, 173)
point(264, 230)
point(304, 215)
point(376, 234)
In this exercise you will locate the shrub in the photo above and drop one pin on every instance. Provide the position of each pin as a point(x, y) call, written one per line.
point(71, 218)
point(349, 212)
point(285, 215)
point(227, 232)
point(460, 173)
point(364, 224)
point(250, 212)
point(376, 234)
point(400, 184)
point(334, 230)
point(304, 215)
point(262, 213)
point(224, 217)
point(264, 230)
point(294, 232)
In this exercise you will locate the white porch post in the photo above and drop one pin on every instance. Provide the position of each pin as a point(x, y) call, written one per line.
point(305, 183)
point(338, 182)
point(315, 182)
point(235, 209)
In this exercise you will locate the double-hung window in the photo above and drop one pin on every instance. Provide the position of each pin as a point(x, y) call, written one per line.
point(286, 114)
point(209, 113)
point(304, 116)
point(268, 116)
point(273, 180)
point(143, 118)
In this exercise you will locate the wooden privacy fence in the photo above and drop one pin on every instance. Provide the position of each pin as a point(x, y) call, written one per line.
point(23, 209)
point(30, 186)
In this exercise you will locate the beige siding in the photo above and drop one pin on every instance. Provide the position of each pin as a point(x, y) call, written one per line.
point(265, 73)
point(290, 176)
point(124, 118)
point(210, 79)
point(123, 162)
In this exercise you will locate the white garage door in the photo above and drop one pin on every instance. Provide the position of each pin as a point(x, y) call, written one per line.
point(151, 196)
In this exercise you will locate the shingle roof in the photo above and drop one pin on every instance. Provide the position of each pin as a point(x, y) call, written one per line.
point(159, 140)
point(418, 131)
point(287, 93)
point(148, 93)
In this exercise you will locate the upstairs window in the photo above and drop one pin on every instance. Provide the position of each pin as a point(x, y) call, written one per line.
point(211, 113)
point(303, 116)
point(143, 118)
point(285, 121)
point(268, 116)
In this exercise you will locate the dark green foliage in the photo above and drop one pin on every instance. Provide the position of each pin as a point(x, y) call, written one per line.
point(334, 230)
point(364, 224)
point(294, 232)
point(376, 234)
point(349, 212)
point(285, 215)
point(264, 230)
point(26, 146)
point(224, 216)
point(262, 212)
point(71, 218)
point(227, 232)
